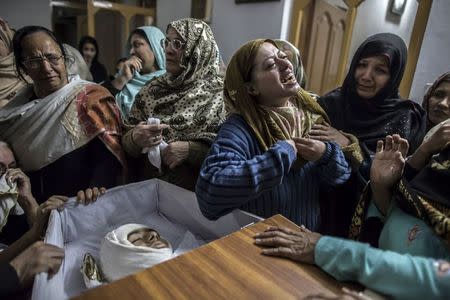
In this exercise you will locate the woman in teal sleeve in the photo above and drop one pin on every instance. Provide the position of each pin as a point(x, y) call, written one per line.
point(413, 259)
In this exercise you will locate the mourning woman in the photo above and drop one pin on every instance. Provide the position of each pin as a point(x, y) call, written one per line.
point(262, 160)
point(413, 259)
point(146, 62)
point(188, 102)
point(367, 108)
point(65, 135)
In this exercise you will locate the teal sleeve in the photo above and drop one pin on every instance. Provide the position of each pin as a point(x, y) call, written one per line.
point(400, 276)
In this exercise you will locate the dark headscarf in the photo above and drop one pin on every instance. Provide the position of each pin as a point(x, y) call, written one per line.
point(426, 196)
point(385, 114)
point(430, 92)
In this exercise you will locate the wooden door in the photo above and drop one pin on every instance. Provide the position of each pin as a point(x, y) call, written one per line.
point(324, 47)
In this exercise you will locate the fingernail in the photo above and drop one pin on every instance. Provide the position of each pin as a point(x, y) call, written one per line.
point(257, 240)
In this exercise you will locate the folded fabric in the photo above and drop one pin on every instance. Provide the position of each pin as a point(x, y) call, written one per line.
point(92, 275)
point(154, 153)
point(119, 257)
point(8, 201)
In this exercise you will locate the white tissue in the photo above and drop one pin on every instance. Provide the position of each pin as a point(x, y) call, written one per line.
point(8, 201)
point(154, 153)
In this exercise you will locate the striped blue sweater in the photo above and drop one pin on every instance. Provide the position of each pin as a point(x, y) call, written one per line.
point(237, 174)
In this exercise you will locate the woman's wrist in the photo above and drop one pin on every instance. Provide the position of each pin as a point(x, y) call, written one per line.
point(133, 140)
point(420, 157)
point(119, 82)
point(381, 195)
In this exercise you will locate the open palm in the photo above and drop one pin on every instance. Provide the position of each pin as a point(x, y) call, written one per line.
point(389, 160)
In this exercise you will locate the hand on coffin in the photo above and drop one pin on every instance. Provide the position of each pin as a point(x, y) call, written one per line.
point(297, 245)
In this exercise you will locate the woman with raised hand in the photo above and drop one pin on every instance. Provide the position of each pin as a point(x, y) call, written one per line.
point(413, 259)
point(366, 108)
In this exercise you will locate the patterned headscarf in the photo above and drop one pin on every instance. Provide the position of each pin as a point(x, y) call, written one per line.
point(263, 122)
point(295, 58)
point(192, 102)
point(10, 83)
point(430, 92)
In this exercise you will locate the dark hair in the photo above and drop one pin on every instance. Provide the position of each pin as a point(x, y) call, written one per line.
point(88, 40)
point(17, 45)
point(142, 34)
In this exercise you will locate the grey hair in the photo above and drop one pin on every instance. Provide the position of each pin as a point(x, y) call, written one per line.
point(5, 145)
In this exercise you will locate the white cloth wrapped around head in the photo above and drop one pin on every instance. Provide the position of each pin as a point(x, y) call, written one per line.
point(130, 248)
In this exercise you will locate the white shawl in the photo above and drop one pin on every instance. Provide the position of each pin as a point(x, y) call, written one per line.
point(43, 130)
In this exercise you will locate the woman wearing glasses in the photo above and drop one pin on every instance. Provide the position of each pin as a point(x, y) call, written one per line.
point(187, 100)
point(146, 62)
point(65, 134)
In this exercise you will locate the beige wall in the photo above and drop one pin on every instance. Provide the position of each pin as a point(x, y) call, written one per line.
point(434, 58)
point(21, 13)
point(374, 17)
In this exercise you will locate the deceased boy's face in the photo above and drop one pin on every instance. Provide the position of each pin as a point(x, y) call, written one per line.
point(148, 238)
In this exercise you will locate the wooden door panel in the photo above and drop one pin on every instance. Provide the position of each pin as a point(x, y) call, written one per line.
point(325, 46)
point(318, 51)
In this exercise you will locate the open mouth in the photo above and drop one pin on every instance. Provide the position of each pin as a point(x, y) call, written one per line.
point(364, 87)
point(289, 80)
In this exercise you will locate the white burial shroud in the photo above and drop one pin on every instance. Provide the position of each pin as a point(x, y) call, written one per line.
point(119, 257)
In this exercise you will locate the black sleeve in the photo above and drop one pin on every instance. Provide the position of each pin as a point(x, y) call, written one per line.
point(409, 172)
point(106, 170)
point(108, 85)
point(10, 282)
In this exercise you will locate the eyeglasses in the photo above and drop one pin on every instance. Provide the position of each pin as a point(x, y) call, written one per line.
point(35, 63)
point(175, 44)
point(3, 169)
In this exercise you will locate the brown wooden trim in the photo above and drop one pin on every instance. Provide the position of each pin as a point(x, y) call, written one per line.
point(348, 34)
point(296, 21)
point(127, 11)
point(415, 44)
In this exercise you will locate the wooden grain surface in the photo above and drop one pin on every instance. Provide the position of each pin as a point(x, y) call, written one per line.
point(229, 268)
